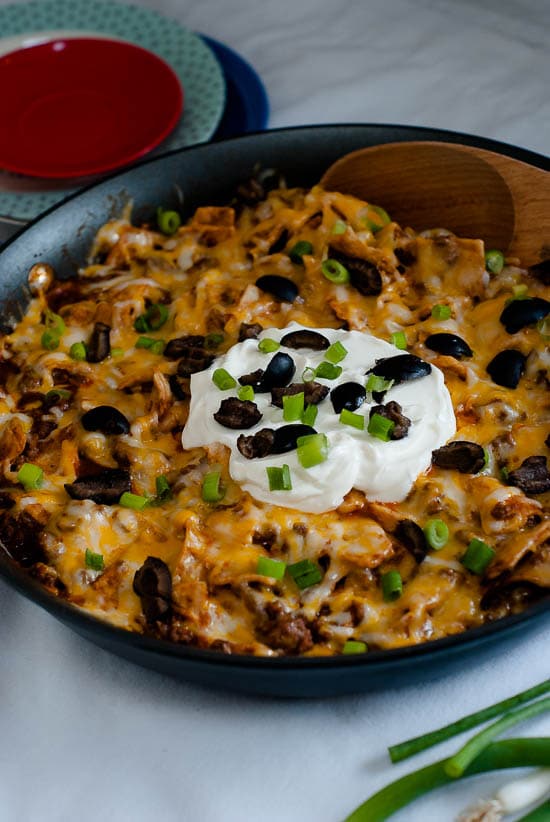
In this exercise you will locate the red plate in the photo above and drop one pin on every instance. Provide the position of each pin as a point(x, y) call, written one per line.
point(75, 107)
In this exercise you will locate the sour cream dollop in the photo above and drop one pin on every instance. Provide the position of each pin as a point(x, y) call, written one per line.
point(384, 471)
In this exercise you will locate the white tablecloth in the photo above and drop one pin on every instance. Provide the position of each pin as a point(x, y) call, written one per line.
point(85, 736)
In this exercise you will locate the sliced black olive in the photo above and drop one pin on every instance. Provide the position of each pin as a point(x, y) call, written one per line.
point(234, 413)
point(153, 585)
point(6, 501)
point(280, 243)
point(541, 271)
point(305, 338)
point(466, 457)
point(106, 419)
point(449, 344)
point(278, 373)
point(249, 331)
point(99, 345)
point(179, 347)
point(363, 276)
point(105, 488)
point(254, 378)
point(405, 256)
point(519, 313)
point(401, 368)
point(349, 395)
point(507, 367)
point(532, 476)
point(313, 391)
point(279, 287)
point(392, 411)
point(257, 445)
point(179, 386)
point(413, 538)
point(287, 435)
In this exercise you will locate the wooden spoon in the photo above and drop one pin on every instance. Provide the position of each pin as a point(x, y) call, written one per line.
point(471, 191)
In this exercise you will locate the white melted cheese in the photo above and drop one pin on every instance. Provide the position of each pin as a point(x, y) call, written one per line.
point(384, 471)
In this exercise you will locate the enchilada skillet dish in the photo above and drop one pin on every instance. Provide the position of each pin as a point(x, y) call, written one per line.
point(288, 427)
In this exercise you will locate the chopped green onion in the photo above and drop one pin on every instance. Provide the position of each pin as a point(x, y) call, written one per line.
point(141, 324)
point(116, 352)
point(211, 490)
point(354, 646)
point(478, 556)
point(486, 458)
point(349, 418)
point(441, 312)
point(293, 407)
point(494, 261)
point(164, 492)
point(94, 561)
point(56, 394)
point(310, 414)
point(305, 573)
point(383, 219)
point(308, 374)
point(339, 227)
point(335, 271)
point(50, 340)
point(268, 567)
point(153, 319)
point(437, 533)
point(328, 371)
point(380, 427)
point(421, 743)
point(54, 322)
point(399, 339)
point(268, 346)
point(223, 380)
point(504, 472)
point(336, 352)
point(279, 478)
point(392, 585)
point(297, 251)
point(520, 291)
point(213, 340)
point(134, 501)
point(158, 347)
point(78, 351)
point(458, 763)
point(145, 342)
point(246, 392)
point(312, 449)
point(30, 476)
point(378, 384)
point(168, 221)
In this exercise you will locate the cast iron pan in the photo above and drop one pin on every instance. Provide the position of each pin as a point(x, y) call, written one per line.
point(185, 179)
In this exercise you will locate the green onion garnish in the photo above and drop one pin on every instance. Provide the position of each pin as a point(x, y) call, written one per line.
point(141, 324)
point(153, 319)
point(268, 346)
point(297, 251)
point(336, 352)
point(494, 261)
point(279, 478)
point(213, 340)
point(50, 340)
point(134, 501)
point(380, 427)
point(383, 219)
point(312, 449)
point(335, 271)
point(94, 561)
point(223, 380)
point(211, 490)
point(246, 392)
point(168, 221)
point(378, 384)
point(268, 567)
point(115, 352)
point(399, 339)
point(520, 291)
point(437, 533)
point(144, 342)
point(504, 472)
point(441, 312)
point(354, 646)
point(30, 476)
point(310, 414)
point(392, 585)
point(478, 556)
point(328, 371)
point(305, 573)
point(158, 347)
point(349, 418)
point(54, 322)
point(293, 407)
point(308, 374)
point(164, 492)
point(56, 394)
point(339, 227)
point(77, 351)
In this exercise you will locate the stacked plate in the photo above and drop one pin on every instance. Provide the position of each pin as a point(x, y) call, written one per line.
point(89, 87)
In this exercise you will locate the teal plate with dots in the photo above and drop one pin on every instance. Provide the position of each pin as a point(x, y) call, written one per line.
point(200, 74)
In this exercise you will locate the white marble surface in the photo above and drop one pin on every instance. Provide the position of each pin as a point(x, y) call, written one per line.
point(86, 736)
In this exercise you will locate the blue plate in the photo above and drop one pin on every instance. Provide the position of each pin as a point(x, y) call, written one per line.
point(247, 105)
